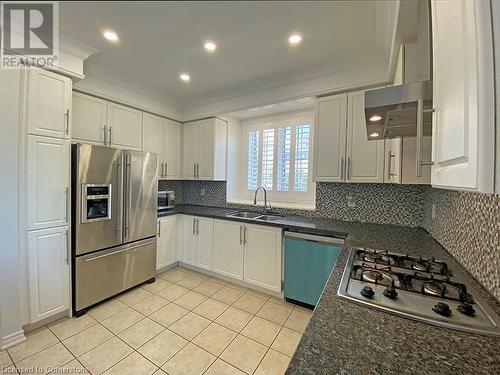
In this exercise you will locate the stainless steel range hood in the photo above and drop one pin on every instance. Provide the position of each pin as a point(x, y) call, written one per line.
point(393, 111)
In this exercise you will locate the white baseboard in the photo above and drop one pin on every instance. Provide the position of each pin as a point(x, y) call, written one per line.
point(11, 340)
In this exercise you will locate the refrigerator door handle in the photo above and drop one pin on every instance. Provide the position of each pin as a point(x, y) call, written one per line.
point(128, 194)
point(119, 222)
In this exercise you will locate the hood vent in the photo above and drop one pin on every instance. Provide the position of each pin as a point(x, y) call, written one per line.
point(392, 111)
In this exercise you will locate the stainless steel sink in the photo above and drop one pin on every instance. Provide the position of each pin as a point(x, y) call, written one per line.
point(245, 214)
point(269, 217)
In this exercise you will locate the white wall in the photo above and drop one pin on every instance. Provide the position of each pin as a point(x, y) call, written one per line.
point(108, 85)
point(10, 316)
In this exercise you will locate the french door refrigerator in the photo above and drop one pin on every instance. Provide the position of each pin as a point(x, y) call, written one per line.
point(114, 220)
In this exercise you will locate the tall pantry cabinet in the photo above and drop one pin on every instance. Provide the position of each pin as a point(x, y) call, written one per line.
point(46, 112)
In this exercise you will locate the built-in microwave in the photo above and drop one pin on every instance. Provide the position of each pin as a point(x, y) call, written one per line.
point(166, 199)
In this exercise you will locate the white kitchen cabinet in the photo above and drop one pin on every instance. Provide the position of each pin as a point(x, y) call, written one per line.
point(197, 238)
point(330, 138)
point(152, 138)
point(408, 161)
point(228, 248)
point(89, 119)
point(49, 104)
point(204, 238)
point(205, 149)
point(166, 244)
point(172, 150)
point(364, 158)
point(393, 153)
point(48, 272)
point(463, 96)
point(48, 165)
point(124, 126)
point(262, 256)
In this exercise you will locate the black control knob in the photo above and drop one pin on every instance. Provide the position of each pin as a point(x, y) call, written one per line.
point(367, 292)
point(466, 309)
point(390, 291)
point(442, 309)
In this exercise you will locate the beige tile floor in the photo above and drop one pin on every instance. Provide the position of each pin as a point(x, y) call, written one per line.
point(184, 323)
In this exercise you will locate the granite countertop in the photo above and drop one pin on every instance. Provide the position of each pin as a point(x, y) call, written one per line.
point(347, 338)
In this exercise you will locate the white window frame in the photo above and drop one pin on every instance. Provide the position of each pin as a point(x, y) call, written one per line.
point(289, 199)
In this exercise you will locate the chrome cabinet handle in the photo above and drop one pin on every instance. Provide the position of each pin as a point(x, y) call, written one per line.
point(348, 168)
point(389, 156)
point(197, 170)
point(66, 115)
point(66, 205)
point(166, 170)
point(194, 224)
point(342, 165)
point(67, 247)
point(105, 132)
point(197, 227)
point(110, 135)
point(194, 170)
point(161, 170)
point(159, 229)
point(241, 230)
point(244, 235)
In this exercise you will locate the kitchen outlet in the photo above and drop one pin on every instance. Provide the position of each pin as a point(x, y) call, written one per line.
point(202, 192)
point(351, 201)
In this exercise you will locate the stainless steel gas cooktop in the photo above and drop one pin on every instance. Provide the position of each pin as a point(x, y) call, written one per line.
point(417, 288)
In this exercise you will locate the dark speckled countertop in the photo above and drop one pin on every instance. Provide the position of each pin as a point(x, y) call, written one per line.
point(346, 338)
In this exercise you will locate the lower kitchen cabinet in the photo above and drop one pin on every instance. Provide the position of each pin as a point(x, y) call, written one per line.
point(197, 235)
point(48, 272)
point(248, 252)
point(228, 248)
point(262, 256)
point(166, 244)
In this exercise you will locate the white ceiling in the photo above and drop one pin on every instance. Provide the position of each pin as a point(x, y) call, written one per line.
point(158, 40)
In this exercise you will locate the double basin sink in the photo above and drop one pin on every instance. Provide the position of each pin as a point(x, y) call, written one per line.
point(254, 216)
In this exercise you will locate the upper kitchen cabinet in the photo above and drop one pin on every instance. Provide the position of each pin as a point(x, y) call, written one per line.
point(204, 149)
point(49, 104)
point(152, 138)
point(463, 95)
point(172, 150)
point(330, 138)
point(364, 159)
point(124, 126)
point(89, 119)
point(342, 152)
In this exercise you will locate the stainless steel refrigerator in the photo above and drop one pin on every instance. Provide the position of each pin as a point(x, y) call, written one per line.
point(114, 220)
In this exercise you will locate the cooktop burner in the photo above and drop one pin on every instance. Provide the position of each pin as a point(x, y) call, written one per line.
point(415, 287)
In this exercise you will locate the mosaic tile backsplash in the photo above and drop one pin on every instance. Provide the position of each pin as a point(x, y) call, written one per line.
point(379, 203)
point(468, 226)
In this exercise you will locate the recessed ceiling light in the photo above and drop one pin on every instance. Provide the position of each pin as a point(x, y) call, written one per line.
point(375, 118)
point(295, 39)
point(110, 35)
point(185, 77)
point(374, 135)
point(210, 46)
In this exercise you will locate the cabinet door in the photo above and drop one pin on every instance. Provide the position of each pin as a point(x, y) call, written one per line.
point(166, 243)
point(408, 170)
point(204, 238)
point(463, 94)
point(228, 248)
point(152, 138)
point(330, 138)
point(263, 256)
point(188, 240)
point(393, 160)
point(48, 182)
point(48, 272)
point(365, 159)
point(172, 150)
point(124, 126)
point(205, 158)
point(89, 119)
point(189, 150)
point(49, 104)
